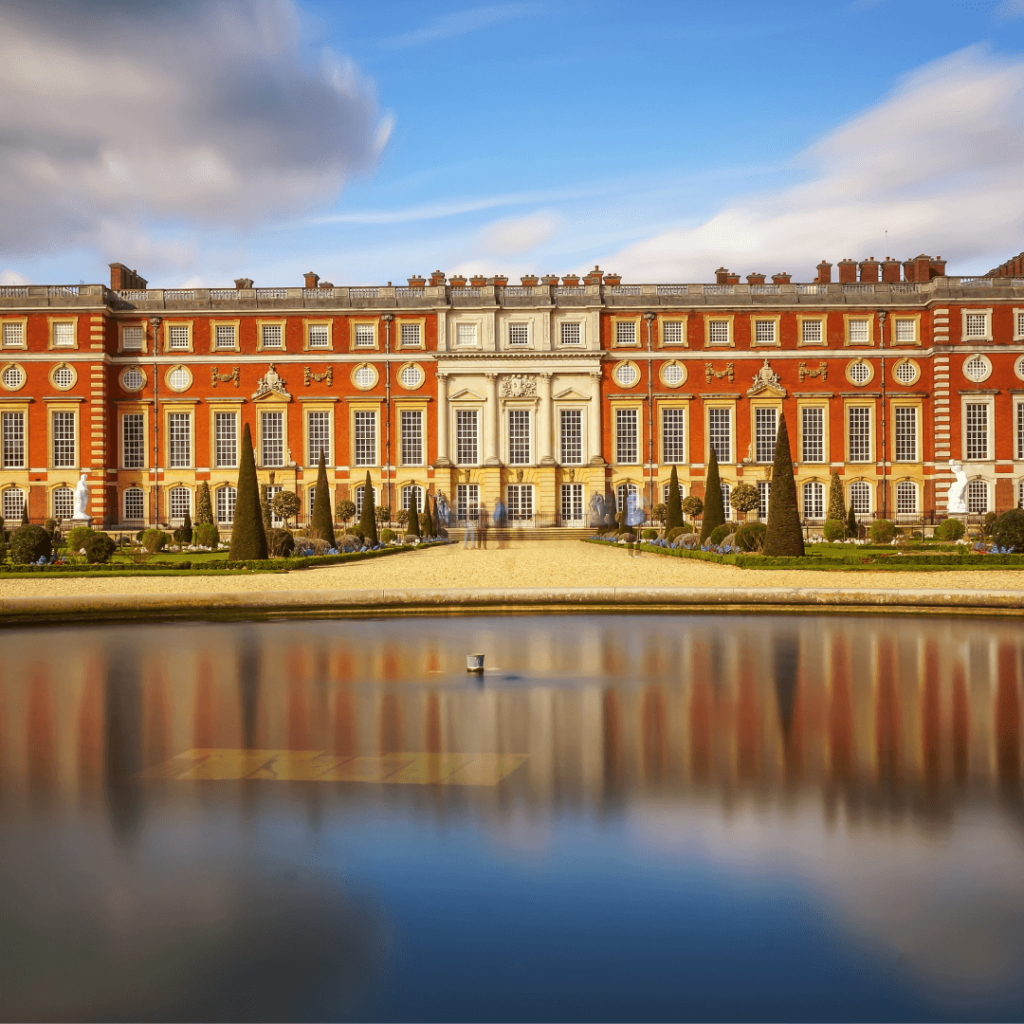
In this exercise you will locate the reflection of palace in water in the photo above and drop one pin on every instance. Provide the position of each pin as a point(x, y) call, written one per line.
point(604, 709)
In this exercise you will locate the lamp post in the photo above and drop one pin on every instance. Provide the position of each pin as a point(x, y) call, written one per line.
point(884, 446)
point(649, 318)
point(387, 318)
point(154, 322)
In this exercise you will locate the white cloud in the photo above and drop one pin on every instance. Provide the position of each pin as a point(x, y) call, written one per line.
point(519, 234)
point(204, 113)
point(937, 164)
point(12, 277)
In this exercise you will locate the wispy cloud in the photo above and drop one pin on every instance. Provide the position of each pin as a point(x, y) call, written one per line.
point(461, 23)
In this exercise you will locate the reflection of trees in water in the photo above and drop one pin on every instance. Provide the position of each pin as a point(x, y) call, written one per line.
point(123, 755)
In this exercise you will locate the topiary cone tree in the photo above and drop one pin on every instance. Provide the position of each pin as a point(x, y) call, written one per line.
point(204, 507)
point(368, 513)
point(413, 529)
point(321, 523)
point(836, 501)
point(784, 536)
point(852, 530)
point(248, 538)
point(674, 518)
point(714, 509)
point(426, 519)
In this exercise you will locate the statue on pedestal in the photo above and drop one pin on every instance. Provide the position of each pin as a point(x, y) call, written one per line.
point(955, 501)
point(82, 499)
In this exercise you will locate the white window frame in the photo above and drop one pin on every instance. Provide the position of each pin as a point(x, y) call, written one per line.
point(13, 439)
point(869, 419)
point(175, 459)
point(364, 448)
point(673, 437)
point(268, 441)
point(467, 335)
point(579, 330)
point(66, 458)
point(522, 330)
point(863, 487)
point(966, 315)
point(130, 495)
point(626, 435)
point(985, 402)
point(519, 424)
point(571, 436)
point(411, 436)
point(462, 447)
point(225, 499)
point(900, 444)
point(714, 412)
point(221, 441)
point(134, 457)
point(978, 486)
point(764, 445)
point(816, 489)
point(323, 419)
point(812, 448)
point(902, 489)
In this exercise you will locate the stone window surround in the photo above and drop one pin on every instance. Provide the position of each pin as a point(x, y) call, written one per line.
point(262, 322)
point(975, 338)
point(134, 408)
point(167, 325)
point(673, 318)
point(146, 336)
point(214, 324)
point(812, 403)
point(775, 318)
point(891, 328)
point(23, 344)
point(859, 317)
point(906, 403)
point(729, 318)
point(990, 423)
point(801, 319)
point(858, 402)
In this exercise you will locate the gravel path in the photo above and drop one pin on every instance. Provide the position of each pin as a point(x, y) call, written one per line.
point(523, 564)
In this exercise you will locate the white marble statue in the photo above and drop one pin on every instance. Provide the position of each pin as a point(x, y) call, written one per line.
point(955, 501)
point(82, 498)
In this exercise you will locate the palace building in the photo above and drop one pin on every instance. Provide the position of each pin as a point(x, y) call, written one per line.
point(540, 394)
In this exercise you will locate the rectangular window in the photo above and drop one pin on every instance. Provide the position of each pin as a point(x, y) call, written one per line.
point(272, 439)
point(410, 335)
point(63, 440)
point(860, 498)
point(766, 426)
point(976, 325)
point(860, 332)
point(465, 334)
point(906, 433)
point(64, 503)
point(672, 332)
point(134, 505)
point(906, 498)
point(520, 502)
point(366, 437)
point(177, 337)
point(225, 336)
point(627, 436)
point(718, 332)
point(673, 435)
point(572, 503)
point(906, 331)
point(519, 334)
point(625, 332)
point(810, 332)
point(519, 437)
point(14, 504)
point(133, 441)
point(319, 336)
point(179, 440)
point(14, 335)
point(812, 447)
point(412, 437)
point(467, 501)
point(572, 334)
point(859, 432)
point(226, 497)
point(272, 336)
point(726, 502)
point(225, 440)
point(1020, 325)
point(720, 432)
point(467, 436)
point(814, 501)
point(365, 336)
point(1020, 430)
point(12, 426)
point(180, 502)
point(977, 431)
point(318, 435)
point(64, 335)
point(764, 491)
point(132, 339)
point(572, 437)
point(764, 332)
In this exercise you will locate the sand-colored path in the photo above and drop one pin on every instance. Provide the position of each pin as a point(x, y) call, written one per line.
point(523, 564)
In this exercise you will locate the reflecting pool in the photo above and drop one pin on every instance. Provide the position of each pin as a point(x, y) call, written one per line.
point(625, 818)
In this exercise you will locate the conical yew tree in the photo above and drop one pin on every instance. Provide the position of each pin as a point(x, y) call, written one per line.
point(368, 515)
point(714, 509)
point(321, 522)
point(836, 502)
point(784, 535)
point(413, 528)
point(204, 507)
point(248, 539)
point(426, 519)
point(674, 517)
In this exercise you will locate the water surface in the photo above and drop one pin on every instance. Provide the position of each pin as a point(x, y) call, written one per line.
point(649, 817)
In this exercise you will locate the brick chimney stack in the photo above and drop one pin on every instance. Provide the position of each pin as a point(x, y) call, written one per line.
point(938, 268)
point(721, 276)
point(755, 278)
point(891, 271)
point(781, 278)
point(243, 282)
point(310, 279)
point(824, 273)
point(869, 270)
point(847, 271)
point(436, 279)
point(123, 279)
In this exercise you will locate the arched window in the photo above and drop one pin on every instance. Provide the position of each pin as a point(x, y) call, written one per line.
point(906, 498)
point(977, 497)
point(359, 499)
point(814, 500)
point(63, 503)
point(410, 492)
point(179, 503)
point(621, 494)
point(726, 503)
point(860, 497)
point(666, 490)
point(13, 504)
point(134, 504)
point(226, 497)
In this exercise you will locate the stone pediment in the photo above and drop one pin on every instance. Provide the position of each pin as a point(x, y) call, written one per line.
point(271, 385)
point(766, 382)
point(571, 395)
point(465, 393)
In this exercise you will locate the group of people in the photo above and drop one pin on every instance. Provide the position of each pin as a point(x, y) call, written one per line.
point(477, 528)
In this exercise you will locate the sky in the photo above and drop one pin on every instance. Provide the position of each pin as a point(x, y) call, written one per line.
point(207, 140)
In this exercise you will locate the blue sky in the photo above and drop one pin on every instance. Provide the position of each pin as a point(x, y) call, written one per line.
point(264, 138)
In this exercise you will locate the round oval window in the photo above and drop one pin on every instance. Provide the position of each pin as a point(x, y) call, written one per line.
point(179, 379)
point(133, 379)
point(365, 377)
point(860, 373)
point(627, 375)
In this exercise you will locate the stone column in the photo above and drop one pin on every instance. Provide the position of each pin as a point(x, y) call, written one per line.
point(442, 420)
point(491, 421)
point(594, 421)
point(544, 424)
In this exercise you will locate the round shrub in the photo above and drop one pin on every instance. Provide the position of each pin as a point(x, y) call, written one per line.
point(882, 532)
point(280, 543)
point(649, 534)
point(387, 536)
point(1008, 531)
point(719, 533)
point(750, 537)
point(989, 523)
point(675, 533)
point(350, 542)
point(77, 536)
point(355, 531)
point(154, 540)
point(627, 536)
point(949, 530)
point(729, 540)
point(314, 546)
point(99, 547)
point(29, 544)
point(834, 530)
point(50, 526)
point(690, 541)
point(206, 535)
